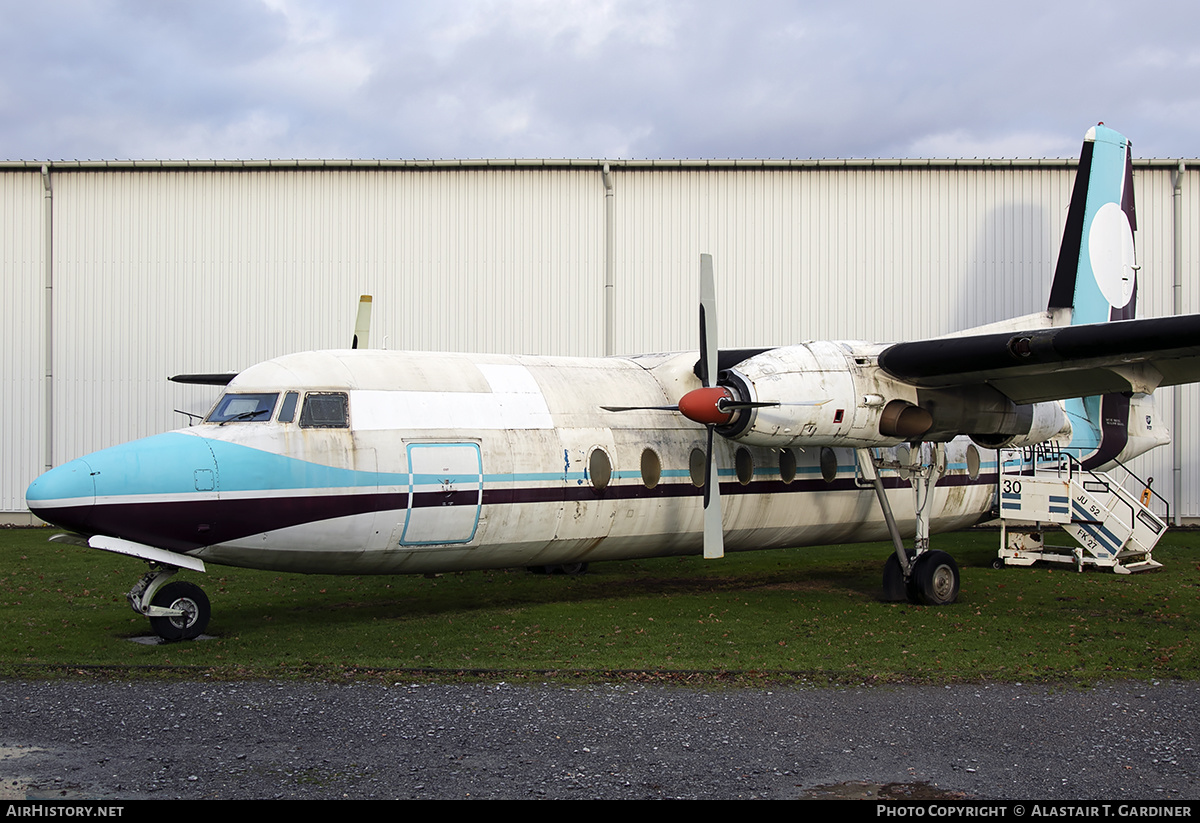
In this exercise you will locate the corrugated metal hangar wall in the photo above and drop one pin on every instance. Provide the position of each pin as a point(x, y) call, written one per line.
point(118, 275)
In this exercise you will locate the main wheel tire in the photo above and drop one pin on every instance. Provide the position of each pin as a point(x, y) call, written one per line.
point(934, 580)
point(556, 568)
point(188, 598)
point(894, 590)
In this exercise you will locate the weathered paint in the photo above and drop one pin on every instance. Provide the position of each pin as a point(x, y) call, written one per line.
point(463, 461)
point(265, 260)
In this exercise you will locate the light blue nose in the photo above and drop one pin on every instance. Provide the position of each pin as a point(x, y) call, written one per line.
point(64, 496)
point(105, 492)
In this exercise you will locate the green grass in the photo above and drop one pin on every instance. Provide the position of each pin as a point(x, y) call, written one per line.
point(813, 612)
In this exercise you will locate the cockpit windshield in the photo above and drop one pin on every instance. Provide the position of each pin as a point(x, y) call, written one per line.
point(242, 408)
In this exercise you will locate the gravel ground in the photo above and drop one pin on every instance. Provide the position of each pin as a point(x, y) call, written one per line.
point(116, 740)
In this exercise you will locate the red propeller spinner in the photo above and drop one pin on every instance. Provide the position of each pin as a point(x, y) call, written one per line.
point(707, 406)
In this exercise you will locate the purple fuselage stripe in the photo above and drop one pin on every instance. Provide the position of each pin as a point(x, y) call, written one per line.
point(185, 525)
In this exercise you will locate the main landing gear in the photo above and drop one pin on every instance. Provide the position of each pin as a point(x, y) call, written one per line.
point(933, 580)
point(177, 610)
point(919, 575)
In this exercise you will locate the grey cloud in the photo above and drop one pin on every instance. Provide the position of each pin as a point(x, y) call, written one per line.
point(294, 78)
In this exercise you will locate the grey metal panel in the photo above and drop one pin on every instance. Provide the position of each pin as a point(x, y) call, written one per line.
point(870, 254)
point(208, 271)
point(211, 267)
point(1154, 190)
point(21, 365)
point(1188, 427)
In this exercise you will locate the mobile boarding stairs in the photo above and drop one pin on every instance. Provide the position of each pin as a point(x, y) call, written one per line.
point(1111, 527)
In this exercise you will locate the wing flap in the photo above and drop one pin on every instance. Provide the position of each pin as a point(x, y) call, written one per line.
point(1057, 363)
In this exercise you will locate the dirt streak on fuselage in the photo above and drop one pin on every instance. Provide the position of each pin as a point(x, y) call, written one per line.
point(454, 461)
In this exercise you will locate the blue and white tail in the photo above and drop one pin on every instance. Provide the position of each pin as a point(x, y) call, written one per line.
point(1096, 281)
point(1096, 276)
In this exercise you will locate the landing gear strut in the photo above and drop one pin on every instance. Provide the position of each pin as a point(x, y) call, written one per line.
point(919, 575)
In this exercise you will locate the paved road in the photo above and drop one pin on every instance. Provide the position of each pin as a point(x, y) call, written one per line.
point(286, 740)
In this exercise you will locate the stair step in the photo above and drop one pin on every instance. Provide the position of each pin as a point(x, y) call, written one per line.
point(1110, 524)
point(1146, 565)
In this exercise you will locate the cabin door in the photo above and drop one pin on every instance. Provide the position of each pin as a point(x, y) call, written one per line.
point(445, 493)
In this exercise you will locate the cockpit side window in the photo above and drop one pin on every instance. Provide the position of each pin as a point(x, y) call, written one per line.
point(242, 408)
point(287, 410)
point(325, 410)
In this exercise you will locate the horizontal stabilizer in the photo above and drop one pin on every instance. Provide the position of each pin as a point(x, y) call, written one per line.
point(204, 379)
point(1057, 363)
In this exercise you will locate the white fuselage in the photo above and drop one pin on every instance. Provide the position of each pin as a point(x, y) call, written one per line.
point(452, 461)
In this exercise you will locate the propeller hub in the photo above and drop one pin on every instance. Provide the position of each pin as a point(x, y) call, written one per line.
point(706, 406)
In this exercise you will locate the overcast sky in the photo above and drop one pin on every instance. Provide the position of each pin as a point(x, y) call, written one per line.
point(255, 79)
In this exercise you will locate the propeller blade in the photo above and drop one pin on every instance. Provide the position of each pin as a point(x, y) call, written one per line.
point(639, 408)
point(362, 324)
point(714, 532)
point(708, 323)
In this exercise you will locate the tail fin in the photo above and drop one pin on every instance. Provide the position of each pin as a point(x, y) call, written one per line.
point(1096, 279)
point(1096, 275)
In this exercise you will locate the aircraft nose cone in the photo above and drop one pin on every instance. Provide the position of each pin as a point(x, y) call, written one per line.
point(64, 496)
point(130, 491)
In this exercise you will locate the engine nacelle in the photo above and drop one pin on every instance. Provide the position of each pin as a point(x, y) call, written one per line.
point(834, 394)
point(1041, 421)
point(991, 419)
point(828, 394)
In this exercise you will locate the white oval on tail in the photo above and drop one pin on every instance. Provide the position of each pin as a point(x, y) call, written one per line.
point(1110, 250)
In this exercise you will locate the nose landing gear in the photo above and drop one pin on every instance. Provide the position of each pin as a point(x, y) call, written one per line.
point(178, 610)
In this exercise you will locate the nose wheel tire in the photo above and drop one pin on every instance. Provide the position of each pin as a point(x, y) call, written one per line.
point(188, 598)
point(934, 579)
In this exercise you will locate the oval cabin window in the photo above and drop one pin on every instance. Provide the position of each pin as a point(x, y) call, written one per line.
point(599, 469)
point(787, 465)
point(973, 462)
point(696, 467)
point(744, 463)
point(651, 468)
point(829, 464)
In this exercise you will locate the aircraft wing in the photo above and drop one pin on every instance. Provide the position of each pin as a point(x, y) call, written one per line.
point(1057, 363)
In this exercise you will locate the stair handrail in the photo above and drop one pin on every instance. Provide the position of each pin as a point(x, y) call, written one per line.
point(1076, 466)
point(1147, 487)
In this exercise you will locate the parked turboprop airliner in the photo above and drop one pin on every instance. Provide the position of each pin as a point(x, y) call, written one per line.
point(366, 461)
